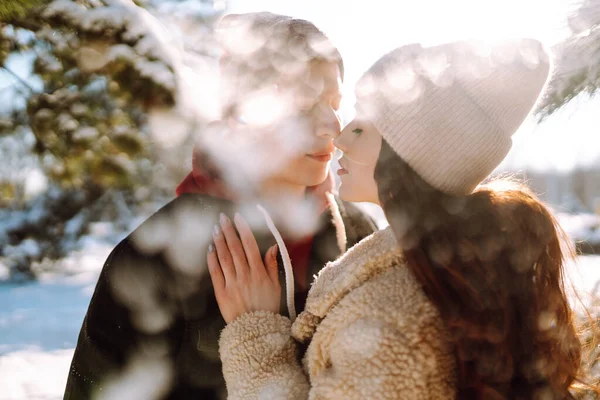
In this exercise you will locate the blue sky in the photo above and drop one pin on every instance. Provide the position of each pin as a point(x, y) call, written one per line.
point(363, 30)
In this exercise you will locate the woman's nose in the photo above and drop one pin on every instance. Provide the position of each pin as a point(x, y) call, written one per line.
point(340, 141)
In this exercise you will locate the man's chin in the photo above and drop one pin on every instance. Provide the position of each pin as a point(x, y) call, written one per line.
point(308, 177)
point(321, 179)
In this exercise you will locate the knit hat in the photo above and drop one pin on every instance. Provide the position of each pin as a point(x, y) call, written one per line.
point(260, 48)
point(450, 111)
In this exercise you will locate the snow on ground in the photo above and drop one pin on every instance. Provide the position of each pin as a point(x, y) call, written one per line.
point(581, 227)
point(34, 374)
point(583, 281)
point(40, 321)
point(42, 316)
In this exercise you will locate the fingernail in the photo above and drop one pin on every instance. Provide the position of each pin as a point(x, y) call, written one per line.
point(238, 218)
point(211, 248)
point(274, 251)
point(224, 219)
point(216, 230)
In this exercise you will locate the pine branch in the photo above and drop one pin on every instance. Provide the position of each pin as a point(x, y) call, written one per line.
point(21, 80)
point(13, 9)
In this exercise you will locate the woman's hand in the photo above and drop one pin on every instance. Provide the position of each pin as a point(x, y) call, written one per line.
point(242, 281)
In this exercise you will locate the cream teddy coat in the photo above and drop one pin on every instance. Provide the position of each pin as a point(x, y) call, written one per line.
point(372, 334)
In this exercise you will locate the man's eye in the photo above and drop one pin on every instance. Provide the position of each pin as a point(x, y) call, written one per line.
point(358, 131)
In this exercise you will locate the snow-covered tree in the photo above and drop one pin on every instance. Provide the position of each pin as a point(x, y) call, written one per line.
point(102, 73)
point(577, 65)
point(103, 65)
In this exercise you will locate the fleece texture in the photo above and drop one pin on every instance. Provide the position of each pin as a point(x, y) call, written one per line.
point(371, 334)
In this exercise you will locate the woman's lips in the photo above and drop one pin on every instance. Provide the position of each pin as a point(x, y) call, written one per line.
point(341, 171)
point(323, 157)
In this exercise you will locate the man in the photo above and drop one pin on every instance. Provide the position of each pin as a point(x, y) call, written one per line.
point(152, 326)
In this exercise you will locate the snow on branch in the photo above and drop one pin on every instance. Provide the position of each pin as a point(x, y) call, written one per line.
point(577, 60)
point(122, 31)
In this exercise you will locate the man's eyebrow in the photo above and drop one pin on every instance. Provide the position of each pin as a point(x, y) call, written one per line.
point(335, 93)
point(331, 90)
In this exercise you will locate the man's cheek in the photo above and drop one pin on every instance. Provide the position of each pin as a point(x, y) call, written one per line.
point(296, 134)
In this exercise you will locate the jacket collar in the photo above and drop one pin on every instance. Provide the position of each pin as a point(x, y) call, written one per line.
point(369, 258)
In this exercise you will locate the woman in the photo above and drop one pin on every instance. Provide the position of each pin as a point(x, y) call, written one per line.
point(152, 326)
point(462, 296)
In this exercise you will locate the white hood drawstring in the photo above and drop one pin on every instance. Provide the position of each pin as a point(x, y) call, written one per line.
point(287, 263)
point(340, 229)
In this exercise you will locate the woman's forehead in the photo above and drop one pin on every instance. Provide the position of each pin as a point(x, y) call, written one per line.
point(360, 110)
point(364, 108)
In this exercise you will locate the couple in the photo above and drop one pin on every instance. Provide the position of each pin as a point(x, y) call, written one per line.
point(461, 297)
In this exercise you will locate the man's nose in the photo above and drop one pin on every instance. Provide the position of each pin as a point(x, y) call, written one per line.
point(327, 124)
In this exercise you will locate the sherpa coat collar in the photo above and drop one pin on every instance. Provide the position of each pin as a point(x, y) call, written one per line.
point(372, 256)
point(373, 335)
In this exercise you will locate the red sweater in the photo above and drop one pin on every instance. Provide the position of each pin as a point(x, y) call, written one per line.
point(199, 181)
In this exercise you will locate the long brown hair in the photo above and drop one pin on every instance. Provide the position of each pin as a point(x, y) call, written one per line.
point(492, 264)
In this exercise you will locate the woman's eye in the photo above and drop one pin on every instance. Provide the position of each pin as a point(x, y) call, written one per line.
point(358, 131)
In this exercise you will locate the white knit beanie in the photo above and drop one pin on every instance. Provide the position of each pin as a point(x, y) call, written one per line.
point(450, 111)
